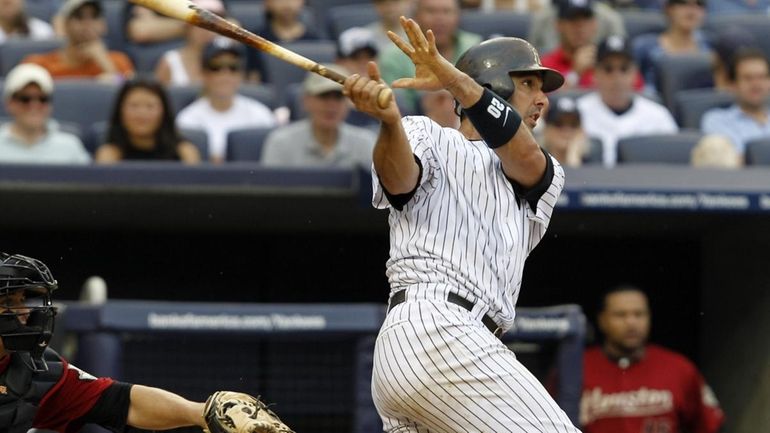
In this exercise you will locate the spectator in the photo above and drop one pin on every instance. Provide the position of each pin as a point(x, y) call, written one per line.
point(439, 106)
point(182, 66)
point(443, 18)
point(221, 109)
point(748, 117)
point(283, 25)
point(683, 36)
point(84, 53)
point(323, 139)
point(631, 386)
point(726, 43)
point(613, 111)
point(563, 135)
point(543, 32)
point(355, 49)
point(389, 12)
point(715, 151)
point(14, 22)
point(520, 6)
point(145, 26)
point(575, 57)
point(142, 128)
point(31, 137)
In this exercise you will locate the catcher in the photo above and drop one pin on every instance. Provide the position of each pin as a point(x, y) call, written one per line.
point(39, 389)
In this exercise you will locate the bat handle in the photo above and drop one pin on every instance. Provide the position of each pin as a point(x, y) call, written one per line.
point(383, 98)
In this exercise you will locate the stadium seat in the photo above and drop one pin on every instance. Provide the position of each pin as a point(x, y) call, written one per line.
point(758, 151)
point(199, 138)
point(250, 15)
point(13, 51)
point(83, 102)
point(294, 102)
point(146, 56)
point(639, 22)
point(663, 149)
point(261, 92)
point(683, 72)
point(692, 104)
point(40, 9)
point(280, 73)
point(342, 18)
point(116, 31)
point(246, 144)
point(596, 152)
point(756, 24)
point(506, 23)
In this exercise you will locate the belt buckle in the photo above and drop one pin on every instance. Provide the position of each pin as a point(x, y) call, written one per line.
point(498, 332)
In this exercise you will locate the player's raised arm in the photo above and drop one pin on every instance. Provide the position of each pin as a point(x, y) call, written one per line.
point(393, 159)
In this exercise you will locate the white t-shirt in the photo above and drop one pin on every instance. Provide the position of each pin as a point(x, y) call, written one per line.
point(38, 29)
point(644, 118)
point(244, 113)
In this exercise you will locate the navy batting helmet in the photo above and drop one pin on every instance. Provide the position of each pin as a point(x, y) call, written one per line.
point(492, 62)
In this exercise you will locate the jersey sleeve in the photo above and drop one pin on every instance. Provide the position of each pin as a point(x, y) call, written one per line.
point(703, 414)
point(63, 408)
point(539, 211)
point(422, 134)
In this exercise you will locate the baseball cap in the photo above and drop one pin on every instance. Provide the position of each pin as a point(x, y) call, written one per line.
point(570, 9)
point(221, 45)
point(70, 6)
point(614, 45)
point(356, 39)
point(315, 84)
point(27, 73)
point(561, 107)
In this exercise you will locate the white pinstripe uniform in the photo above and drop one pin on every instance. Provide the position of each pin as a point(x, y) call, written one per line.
point(437, 368)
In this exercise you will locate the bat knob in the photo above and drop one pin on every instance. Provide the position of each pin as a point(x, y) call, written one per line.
point(384, 98)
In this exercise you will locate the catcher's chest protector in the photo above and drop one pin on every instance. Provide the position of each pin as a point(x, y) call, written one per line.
point(21, 390)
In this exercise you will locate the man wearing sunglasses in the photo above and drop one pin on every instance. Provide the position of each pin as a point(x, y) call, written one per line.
point(614, 111)
point(32, 137)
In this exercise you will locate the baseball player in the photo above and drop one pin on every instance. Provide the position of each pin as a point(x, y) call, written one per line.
point(630, 386)
point(39, 389)
point(466, 208)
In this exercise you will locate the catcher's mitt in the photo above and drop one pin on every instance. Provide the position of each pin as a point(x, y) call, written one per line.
point(236, 412)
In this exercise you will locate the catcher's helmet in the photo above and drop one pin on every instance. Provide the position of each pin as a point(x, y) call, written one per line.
point(26, 326)
point(491, 62)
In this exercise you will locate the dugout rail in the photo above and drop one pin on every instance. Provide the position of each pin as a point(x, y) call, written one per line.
point(314, 360)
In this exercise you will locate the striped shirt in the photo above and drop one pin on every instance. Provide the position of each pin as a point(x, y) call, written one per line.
point(464, 230)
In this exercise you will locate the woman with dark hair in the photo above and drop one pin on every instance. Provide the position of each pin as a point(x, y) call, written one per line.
point(142, 128)
point(14, 22)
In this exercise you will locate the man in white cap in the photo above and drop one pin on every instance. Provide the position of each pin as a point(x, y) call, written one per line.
point(32, 137)
point(323, 139)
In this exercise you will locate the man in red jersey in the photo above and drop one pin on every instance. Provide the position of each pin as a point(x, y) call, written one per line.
point(39, 389)
point(630, 386)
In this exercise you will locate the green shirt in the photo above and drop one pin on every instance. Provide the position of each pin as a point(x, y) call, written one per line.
point(55, 147)
point(394, 64)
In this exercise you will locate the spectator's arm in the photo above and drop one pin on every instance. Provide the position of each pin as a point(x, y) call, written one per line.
point(188, 153)
point(163, 72)
point(108, 154)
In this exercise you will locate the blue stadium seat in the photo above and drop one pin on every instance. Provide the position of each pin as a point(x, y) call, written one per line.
point(261, 92)
point(506, 23)
point(96, 136)
point(280, 74)
point(758, 151)
point(246, 144)
point(116, 31)
point(250, 15)
point(40, 9)
point(293, 101)
point(83, 102)
point(756, 24)
point(682, 72)
point(596, 152)
point(692, 104)
point(341, 18)
point(662, 149)
point(639, 22)
point(13, 51)
point(199, 138)
point(146, 56)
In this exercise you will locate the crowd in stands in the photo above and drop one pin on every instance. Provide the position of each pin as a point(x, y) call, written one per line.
point(657, 68)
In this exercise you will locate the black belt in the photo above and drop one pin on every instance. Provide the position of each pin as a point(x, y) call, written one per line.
point(400, 296)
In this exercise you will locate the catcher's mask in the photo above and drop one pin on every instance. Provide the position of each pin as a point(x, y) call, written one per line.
point(26, 311)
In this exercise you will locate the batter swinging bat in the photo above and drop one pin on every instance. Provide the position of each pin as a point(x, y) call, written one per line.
point(188, 12)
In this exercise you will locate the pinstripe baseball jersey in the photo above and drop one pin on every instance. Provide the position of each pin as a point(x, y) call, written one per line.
point(464, 230)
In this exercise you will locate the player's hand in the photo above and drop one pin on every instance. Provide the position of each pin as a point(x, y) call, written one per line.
point(364, 91)
point(432, 70)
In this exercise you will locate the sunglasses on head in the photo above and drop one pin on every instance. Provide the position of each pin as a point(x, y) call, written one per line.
point(216, 67)
point(26, 99)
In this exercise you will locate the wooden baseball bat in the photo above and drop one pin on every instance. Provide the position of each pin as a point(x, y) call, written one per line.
point(188, 12)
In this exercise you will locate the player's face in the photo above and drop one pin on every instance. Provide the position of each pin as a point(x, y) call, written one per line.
point(625, 320)
point(529, 99)
point(15, 303)
point(752, 83)
point(30, 107)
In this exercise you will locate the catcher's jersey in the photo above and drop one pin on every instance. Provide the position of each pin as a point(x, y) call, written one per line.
point(464, 230)
point(662, 393)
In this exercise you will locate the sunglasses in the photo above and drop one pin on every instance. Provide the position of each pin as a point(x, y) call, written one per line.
point(701, 3)
point(216, 67)
point(26, 99)
point(608, 69)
